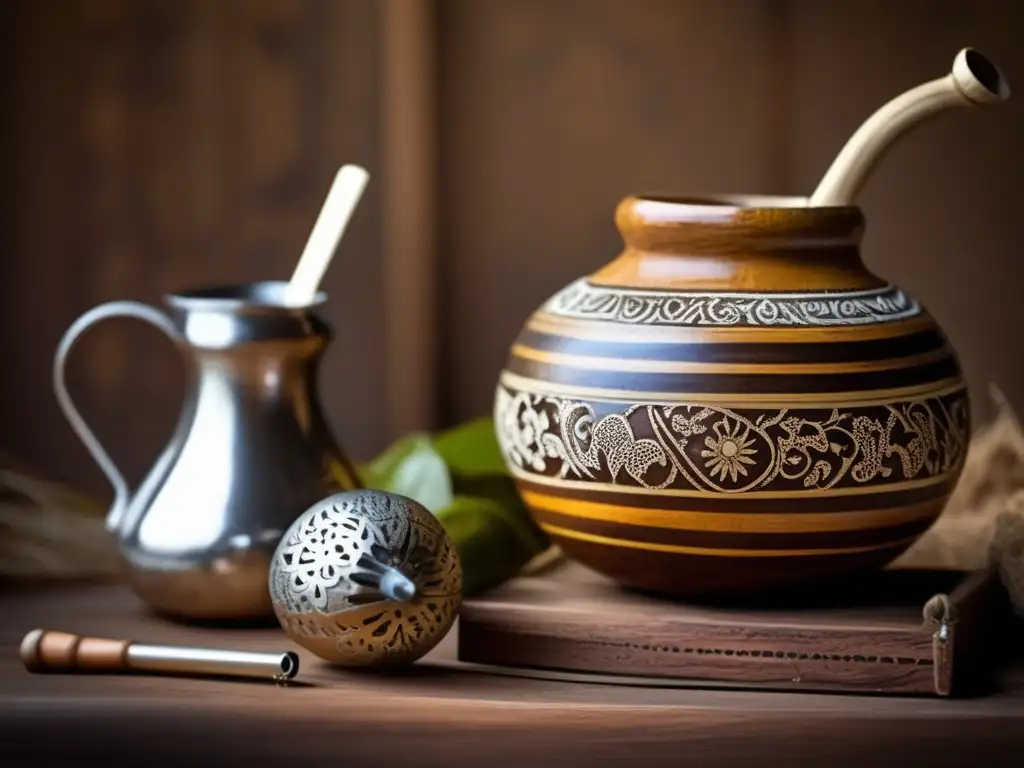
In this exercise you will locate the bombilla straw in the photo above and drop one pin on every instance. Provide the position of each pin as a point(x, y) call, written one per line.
point(50, 651)
point(974, 81)
point(338, 208)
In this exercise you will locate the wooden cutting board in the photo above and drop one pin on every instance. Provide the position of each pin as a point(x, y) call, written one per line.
point(871, 636)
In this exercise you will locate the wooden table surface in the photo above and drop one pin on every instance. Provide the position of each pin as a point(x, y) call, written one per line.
point(440, 713)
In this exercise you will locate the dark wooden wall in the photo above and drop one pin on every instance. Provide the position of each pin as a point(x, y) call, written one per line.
point(552, 111)
point(150, 145)
point(158, 145)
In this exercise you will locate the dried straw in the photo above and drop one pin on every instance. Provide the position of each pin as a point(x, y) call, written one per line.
point(49, 531)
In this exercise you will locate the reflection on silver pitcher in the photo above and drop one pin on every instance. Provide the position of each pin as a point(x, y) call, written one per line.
point(251, 450)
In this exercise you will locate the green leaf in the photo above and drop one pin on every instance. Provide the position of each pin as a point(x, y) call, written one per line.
point(412, 467)
point(489, 541)
point(471, 449)
point(502, 491)
point(460, 477)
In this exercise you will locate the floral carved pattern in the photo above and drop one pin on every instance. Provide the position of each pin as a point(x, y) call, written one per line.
point(723, 450)
point(581, 300)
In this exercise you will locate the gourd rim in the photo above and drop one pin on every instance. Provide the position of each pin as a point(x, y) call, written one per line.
point(655, 221)
point(722, 203)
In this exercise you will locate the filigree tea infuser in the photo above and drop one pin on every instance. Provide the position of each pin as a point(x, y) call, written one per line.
point(365, 579)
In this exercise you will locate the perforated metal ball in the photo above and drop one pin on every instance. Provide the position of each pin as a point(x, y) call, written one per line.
point(366, 578)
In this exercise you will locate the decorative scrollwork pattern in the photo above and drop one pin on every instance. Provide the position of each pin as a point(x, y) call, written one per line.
point(325, 577)
point(724, 450)
point(581, 300)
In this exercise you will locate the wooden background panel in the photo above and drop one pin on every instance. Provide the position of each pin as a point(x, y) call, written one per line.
point(163, 145)
point(408, 123)
point(943, 208)
point(550, 112)
point(153, 145)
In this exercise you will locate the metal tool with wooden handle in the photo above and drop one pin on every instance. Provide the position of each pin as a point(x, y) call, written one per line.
point(50, 651)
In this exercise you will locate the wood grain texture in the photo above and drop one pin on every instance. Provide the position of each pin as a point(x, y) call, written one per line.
point(700, 98)
point(865, 636)
point(549, 114)
point(151, 145)
point(443, 713)
point(160, 146)
point(409, 230)
point(941, 208)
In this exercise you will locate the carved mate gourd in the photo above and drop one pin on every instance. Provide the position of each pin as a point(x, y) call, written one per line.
point(736, 402)
point(252, 448)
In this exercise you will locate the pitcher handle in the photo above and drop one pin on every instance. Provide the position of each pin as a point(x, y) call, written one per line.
point(106, 311)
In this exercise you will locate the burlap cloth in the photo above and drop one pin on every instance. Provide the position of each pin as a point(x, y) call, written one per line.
point(983, 524)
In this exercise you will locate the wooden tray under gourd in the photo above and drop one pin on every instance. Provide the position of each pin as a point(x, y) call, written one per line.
point(872, 636)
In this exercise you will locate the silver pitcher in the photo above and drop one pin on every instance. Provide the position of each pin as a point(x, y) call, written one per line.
point(250, 453)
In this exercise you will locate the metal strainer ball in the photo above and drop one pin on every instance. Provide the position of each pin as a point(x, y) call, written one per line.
point(366, 578)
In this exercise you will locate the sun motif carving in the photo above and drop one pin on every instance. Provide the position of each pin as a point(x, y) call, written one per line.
point(728, 451)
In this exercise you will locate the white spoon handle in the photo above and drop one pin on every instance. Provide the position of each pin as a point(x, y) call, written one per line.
point(338, 208)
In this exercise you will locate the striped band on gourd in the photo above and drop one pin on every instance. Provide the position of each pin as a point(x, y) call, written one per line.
point(733, 425)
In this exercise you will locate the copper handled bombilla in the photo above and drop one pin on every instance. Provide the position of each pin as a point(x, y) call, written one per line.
point(50, 651)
